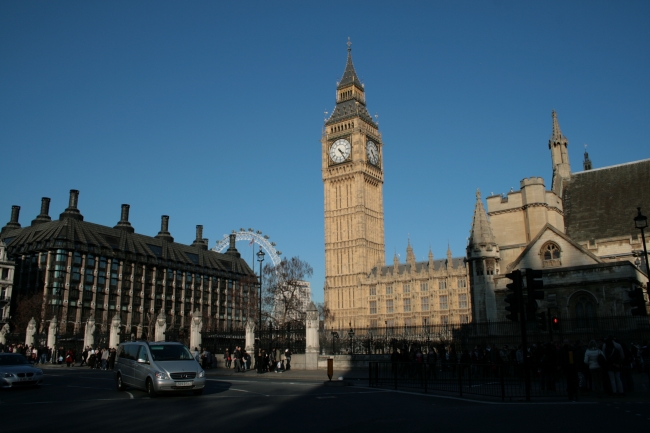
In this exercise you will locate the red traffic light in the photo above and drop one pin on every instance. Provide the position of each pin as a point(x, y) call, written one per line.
point(555, 320)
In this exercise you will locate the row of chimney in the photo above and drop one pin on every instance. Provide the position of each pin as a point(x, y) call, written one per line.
point(72, 212)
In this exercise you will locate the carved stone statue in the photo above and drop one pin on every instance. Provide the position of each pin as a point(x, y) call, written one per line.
point(250, 336)
point(161, 326)
point(51, 333)
point(89, 334)
point(116, 324)
point(196, 326)
point(31, 331)
point(3, 334)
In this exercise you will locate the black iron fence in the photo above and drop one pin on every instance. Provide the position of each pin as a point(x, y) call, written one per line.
point(631, 329)
point(290, 336)
point(503, 381)
point(181, 335)
point(217, 341)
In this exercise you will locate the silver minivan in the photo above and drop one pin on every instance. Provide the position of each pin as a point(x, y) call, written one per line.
point(158, 367)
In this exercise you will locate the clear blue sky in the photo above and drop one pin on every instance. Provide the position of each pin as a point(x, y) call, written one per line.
point(211, 112)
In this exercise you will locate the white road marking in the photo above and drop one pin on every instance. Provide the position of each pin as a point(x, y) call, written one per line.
point(476, 401)
point(86, 387)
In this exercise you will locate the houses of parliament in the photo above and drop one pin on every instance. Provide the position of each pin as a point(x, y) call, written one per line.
point(580, 232)
point(359, 288)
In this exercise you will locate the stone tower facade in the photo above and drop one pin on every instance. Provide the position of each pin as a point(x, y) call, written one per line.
point(484, 262)
point(353, 181)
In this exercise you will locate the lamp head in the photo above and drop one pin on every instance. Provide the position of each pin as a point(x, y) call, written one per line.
point(640, 221)
point(260, 255)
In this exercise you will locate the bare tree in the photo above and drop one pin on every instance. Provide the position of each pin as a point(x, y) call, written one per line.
point(285, 291)
point(26, 308)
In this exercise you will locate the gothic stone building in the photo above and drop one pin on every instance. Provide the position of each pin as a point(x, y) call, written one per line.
point(85, 269)
point(359, 289)
point(580, 233)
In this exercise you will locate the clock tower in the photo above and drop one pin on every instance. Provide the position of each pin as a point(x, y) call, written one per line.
point(353, 177)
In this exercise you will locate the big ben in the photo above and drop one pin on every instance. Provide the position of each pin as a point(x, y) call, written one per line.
point(352, 163)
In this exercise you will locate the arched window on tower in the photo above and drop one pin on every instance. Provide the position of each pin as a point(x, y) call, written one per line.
point(551, 255)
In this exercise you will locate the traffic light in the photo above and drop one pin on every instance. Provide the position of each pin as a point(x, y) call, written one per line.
point(555, 323)
point(514, 299)
point(541, 321)
point(534, 286)
point(637, 302)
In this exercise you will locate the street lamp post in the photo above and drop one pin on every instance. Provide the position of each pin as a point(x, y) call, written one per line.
point(351, 336)
point(641, 222)
point(260, 258)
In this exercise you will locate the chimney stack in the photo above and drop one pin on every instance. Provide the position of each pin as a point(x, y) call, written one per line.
point(124, 223)
point(199, 242)
point(232, 250)
point(44, 216)
point(164, 230)
point(72, 212)
point(13, 222)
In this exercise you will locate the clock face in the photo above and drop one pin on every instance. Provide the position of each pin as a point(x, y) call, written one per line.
point(372, 152)
point(340, 150)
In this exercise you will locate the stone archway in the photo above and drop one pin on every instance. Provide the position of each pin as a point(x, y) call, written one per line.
point(582, 307)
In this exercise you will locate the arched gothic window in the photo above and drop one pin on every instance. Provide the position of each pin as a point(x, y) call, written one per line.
point(551, 254)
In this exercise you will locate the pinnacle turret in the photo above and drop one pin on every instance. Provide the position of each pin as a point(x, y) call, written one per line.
point(410, 256)
point(556, 135)
point(481, 233)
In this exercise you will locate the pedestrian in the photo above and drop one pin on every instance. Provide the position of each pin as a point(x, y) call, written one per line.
point(614, 355)
point(197, 355)
point(272, 359)
point(105, 354)
point(237, 356)
point(227, 358)
point(287, 357)
point(84, 357)
point(595, 360)
point(69, 357)
point(111, 358)
point(432, 359)
point(259, 361)
point(645, 357)
point(92, 357)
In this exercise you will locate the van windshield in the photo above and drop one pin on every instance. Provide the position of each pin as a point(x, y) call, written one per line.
point(170, 352)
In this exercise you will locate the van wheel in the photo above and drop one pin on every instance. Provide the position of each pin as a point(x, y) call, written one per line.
point(120, 384)
point(198, 391)
point(150, 389)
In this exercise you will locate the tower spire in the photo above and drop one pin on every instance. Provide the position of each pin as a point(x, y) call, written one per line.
point(586, 164)
point(558, 144)
point(481, 233)
point(557, 133)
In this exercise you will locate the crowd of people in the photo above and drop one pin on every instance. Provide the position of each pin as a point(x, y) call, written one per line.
point(602, 366)
point(273, 360)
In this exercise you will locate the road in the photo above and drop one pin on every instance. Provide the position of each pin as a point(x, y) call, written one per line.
point(82, 400)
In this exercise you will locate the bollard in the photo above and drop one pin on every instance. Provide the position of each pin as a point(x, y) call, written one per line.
point(330, 368)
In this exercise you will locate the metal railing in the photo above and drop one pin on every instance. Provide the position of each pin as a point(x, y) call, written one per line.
point(503, 381)
point(383, 340)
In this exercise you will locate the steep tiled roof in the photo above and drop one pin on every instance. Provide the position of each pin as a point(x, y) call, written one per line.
point(601, 203)
point(349, 75)
point(354, 107)
point(83, 236)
